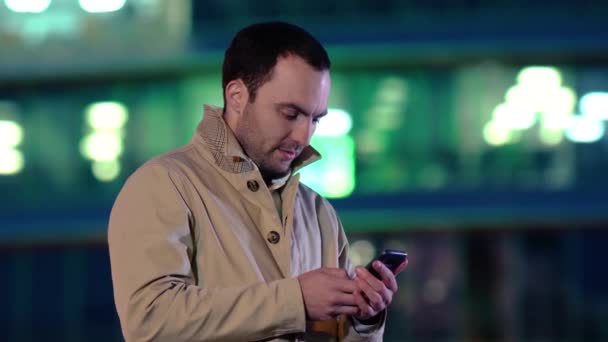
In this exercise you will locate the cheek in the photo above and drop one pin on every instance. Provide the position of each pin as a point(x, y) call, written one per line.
point(282, 132)
point(271, 139)
point(276, 131)
point(269, 130)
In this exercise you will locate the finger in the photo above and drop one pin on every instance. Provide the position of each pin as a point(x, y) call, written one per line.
point(374, 282)
point(343, 285)
point(341, 299)
point(374, 299)
point(378, 285)
point(402, 266)
point(347, 310)
point(365, 310)
point(388, 278)
point(335, 272)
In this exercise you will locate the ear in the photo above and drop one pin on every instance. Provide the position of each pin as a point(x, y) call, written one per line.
point(237, 96)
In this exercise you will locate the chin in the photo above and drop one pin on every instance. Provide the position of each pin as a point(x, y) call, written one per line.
point(272, 172)
point(277, 173)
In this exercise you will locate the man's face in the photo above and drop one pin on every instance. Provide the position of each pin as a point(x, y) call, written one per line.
point(275, 128)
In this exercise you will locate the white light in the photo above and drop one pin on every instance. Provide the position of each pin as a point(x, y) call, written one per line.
point(512, 116)
point(595, 105)
point(561, 100)
point(362, 252)
point(101, 146)
point(11, 161)
point(27, 6)
point(524, 96)
point(11, 134)
point(584, 130)
point(495, 134)
point(101, 6)
point(337, 185)
point(106, 171)
point(540, 77)
point(336, 123)
point(106, 115)
point(556, 120)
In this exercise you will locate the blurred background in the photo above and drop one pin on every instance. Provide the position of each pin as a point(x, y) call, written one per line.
point(470, 133)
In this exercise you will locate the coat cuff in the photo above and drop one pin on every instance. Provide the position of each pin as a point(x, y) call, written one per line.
point(292, 304)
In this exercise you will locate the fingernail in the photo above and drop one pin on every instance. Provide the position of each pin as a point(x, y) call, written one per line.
point(377, 264)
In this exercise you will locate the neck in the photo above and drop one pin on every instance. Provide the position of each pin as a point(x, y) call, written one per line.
point(230, 118)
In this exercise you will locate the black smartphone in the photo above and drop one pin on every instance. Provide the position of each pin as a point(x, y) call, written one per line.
point(392, 258)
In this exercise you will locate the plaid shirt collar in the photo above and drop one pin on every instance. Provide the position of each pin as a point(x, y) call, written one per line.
point(226, 150)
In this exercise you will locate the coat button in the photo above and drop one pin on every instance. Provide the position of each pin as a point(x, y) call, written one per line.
point(273, 237)
point(253, 185)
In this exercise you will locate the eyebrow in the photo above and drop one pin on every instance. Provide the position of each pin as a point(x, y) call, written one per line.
point(300, 109)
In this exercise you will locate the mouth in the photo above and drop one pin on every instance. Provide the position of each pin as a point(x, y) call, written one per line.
point(288, 154)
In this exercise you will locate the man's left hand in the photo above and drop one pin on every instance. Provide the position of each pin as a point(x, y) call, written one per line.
point(374, 295)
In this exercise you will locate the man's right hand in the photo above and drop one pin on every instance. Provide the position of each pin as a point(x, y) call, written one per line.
point(328, 293)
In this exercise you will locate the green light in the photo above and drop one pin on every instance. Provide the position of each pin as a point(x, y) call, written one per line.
point(101, 6)
point(538, 93)
point(392, 90)
point(106, 171)
point(101, 146)
point(551, 137)
point(11, 133)
point(106, 115)
point(11, 161)
point(104, 144)
point(334, 175)
point(433, 176)
point(27, 6)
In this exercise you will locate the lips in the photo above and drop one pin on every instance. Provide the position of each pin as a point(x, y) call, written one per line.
point(288, 154)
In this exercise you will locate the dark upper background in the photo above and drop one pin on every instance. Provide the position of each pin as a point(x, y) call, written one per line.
point(504, 215)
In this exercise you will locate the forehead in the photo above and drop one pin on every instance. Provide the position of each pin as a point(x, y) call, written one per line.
point(294, 80)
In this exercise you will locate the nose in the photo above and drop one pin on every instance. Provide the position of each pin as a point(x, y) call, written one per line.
point(303, 131)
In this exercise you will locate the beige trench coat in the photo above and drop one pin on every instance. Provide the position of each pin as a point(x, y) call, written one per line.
point(199, 253)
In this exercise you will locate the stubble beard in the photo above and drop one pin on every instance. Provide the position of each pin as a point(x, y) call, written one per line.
point(253, 147)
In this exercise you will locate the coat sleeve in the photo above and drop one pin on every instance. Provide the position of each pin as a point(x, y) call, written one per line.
point(155, 291)
point(353, 329)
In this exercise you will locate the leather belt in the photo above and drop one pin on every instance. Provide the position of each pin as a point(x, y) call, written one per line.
point(334, 327)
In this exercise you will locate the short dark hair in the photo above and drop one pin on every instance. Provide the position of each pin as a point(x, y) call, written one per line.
point(255, 49)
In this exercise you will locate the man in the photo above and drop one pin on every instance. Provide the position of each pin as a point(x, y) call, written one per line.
point(218, 241)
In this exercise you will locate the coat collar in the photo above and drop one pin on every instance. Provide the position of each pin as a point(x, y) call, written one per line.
point(226, 149)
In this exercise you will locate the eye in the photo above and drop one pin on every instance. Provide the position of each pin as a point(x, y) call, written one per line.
point(317, 119)
point(291, 115)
